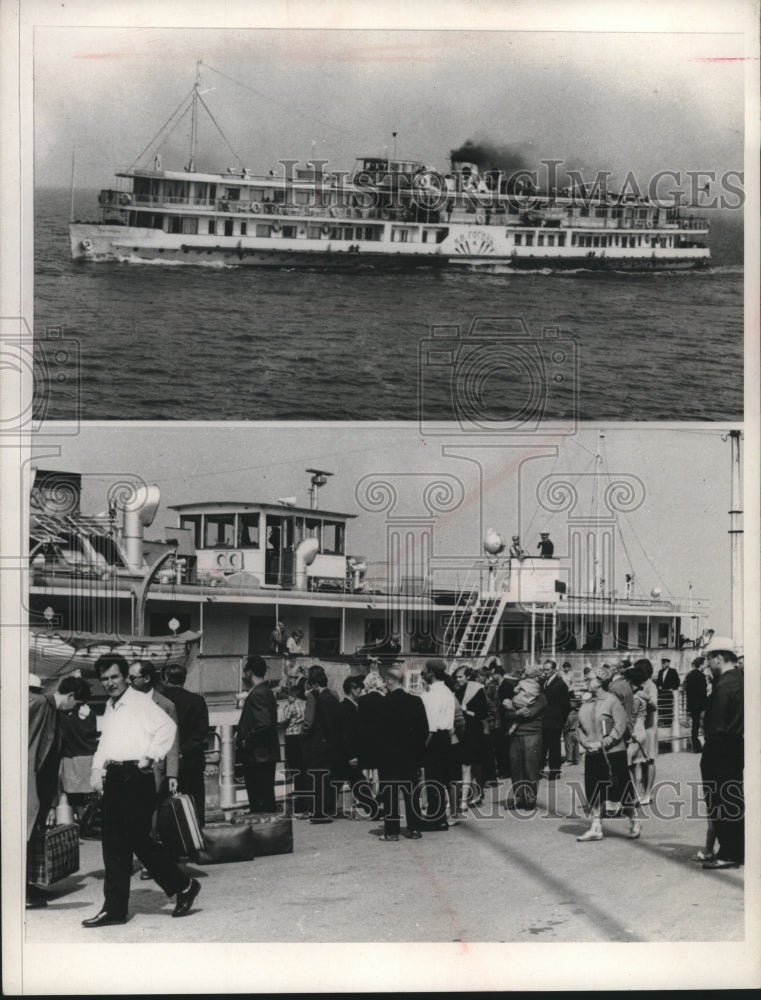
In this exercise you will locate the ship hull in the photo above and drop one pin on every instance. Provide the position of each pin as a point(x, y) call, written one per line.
point(463, 248)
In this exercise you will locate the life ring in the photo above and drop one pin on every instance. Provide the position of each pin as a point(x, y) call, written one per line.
point(276, 227)
point(326, 230)
point(255, 206)
point(125, 199)
point(480, 218)
point(86, 244)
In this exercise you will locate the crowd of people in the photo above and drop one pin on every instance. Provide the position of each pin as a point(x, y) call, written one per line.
point(384, 747)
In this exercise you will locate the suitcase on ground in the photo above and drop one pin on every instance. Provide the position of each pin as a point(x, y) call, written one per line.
point(272, 833)
point(225, 842)
point(178, 826)
point(52, 855)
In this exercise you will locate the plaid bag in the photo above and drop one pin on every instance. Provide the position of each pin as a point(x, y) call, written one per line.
point(52, 854)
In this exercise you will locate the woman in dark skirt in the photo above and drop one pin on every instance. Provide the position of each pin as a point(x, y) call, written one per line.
point(602, 723)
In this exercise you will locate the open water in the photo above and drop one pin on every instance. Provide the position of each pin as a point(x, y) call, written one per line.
point(151, 341)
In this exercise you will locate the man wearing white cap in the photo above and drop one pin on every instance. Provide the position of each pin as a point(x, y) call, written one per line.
point(721, 764)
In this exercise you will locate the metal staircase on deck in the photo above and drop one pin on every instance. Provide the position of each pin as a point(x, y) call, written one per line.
point(482, 625)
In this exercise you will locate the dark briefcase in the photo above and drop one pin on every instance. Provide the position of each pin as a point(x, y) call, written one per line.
point(178, 826)
point(52, 855)
point(272, 833)
point(224, 842)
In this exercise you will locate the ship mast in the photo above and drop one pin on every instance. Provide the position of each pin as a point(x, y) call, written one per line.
point(194, 119)
point(736, 533)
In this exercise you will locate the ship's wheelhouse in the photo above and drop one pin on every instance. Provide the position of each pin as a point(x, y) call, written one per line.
point(269, 544)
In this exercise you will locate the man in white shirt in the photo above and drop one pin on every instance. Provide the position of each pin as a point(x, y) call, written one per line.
point(439, 704)
point(135, 734)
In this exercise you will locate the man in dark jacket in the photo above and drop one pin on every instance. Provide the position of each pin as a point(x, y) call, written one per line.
point(555, 714)
point(349, 729)
point(321, 734)
point(405, 731)
point(45, 757)
point(257, 737)
point(667, 681)
point(193, 730)
point(696, 693)
point(721, 766)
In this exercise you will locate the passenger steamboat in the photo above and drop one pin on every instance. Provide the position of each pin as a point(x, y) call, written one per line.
point(386, 213)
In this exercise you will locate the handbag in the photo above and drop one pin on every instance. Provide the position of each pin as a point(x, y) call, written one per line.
point(52, 854)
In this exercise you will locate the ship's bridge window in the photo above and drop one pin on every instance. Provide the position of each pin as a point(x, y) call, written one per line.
point(219, 531)
point(192, 523)
point(248, 531)
point(333, 537)
point(233, 194)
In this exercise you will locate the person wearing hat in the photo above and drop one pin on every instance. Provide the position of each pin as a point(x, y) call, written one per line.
point(516, 549)
point(602, 724)
point(545, 546)
point(721, 763)
point(666, 682)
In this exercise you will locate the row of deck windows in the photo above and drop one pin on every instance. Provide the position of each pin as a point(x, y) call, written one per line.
point(587, 240)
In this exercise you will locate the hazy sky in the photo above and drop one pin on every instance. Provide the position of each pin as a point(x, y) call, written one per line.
point(618, 102)
point(677, 536)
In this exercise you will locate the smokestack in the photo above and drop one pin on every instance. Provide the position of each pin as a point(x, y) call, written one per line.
point(139, 512)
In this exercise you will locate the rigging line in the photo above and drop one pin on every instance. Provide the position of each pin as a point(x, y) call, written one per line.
point(657, 574)
point(179, 121)
point(284, 104)
point(208, 112)
point(179, 107)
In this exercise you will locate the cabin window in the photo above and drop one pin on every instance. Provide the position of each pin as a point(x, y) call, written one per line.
point(244, 228)
point(248, 531)
point(289, 232)
point(584, 211)
point(212, 227)
point(333, 538)
point(219, 531)
point(643, 639)
point(233, 194)
point(529, 239)
point(540, 240)
point(192, 523)
point(302, 197)
point(263, 229)
point(313, 232)
point(376, 630)
point(519, 239)
point(324, 636)
point(561, 239)
point(663, 634)
point(228, 227)
point(190, 225)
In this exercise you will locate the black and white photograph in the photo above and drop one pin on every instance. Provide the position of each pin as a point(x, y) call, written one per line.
point(379, 462)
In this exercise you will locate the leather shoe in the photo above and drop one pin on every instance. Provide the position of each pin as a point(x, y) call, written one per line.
point(145, 875)
point(103, 919)
point(186, 897)
point(389, 837)
point(718, 864)
point(416, 835)
point(36, 903)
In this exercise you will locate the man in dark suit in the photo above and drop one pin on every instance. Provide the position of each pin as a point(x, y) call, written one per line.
point(193, 729)
point(405, 731)
point(321, 736)
point(558, 708)
point(666, 682)
point(257, 737)
point(696, 692)
point(349, 730)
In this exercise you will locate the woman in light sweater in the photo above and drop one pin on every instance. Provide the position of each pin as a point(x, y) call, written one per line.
point(602, 723)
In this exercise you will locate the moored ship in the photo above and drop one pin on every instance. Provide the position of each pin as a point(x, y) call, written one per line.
point(386, 213)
